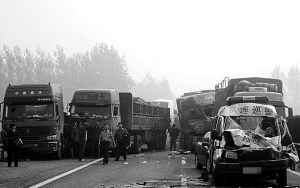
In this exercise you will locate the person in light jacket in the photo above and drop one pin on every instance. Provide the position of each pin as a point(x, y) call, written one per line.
point(106, 138)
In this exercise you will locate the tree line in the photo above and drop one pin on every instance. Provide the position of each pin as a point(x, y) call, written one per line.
point(101, 67)
point(291, 86)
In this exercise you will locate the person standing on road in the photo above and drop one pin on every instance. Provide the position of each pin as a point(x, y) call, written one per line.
point(82, 138)
point(96, 131)
point(174, 133)
point(121, 137)
point(4, 138)
point(75, 140)
point(105, 139)
point(12, 150)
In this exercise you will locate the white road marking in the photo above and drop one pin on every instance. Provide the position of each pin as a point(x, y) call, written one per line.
point(64, 174)
point(294, 172)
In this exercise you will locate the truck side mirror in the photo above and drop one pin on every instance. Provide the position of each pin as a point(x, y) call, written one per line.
point(291, 113)
point(215, 135)
point(115, 111)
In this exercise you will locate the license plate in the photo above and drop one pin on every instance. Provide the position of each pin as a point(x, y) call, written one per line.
point(252, 170)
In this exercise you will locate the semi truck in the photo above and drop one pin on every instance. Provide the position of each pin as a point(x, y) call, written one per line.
point(195, 112)
point(145, 123)
point(37, 112)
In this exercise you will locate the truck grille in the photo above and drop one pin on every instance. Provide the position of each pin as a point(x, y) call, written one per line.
point(33, 132)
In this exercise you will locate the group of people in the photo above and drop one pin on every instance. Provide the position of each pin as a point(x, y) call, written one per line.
point(120, 140)
point(102, 139)
point(8, 136)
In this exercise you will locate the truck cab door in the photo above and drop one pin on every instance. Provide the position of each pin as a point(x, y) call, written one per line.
point(116, 118)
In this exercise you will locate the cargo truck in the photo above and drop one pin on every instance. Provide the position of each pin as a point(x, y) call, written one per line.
point(253, 86)
point(250, 90)
point(195, 112)
point(37, 111)
point(246, 142)
point(145, 123)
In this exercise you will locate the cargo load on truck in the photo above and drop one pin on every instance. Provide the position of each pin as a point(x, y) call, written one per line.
point(253, 86)
point(195, 115)
point(37, 112)
point(146, 122)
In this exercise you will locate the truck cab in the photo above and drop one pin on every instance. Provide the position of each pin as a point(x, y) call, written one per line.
point(93, 105)
point(195, 114)
point(37, 111)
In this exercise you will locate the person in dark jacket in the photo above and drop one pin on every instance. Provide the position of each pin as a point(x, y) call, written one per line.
point(95, 137)
point(12, 150)
point(79, 137)
point(82, 138)
point(121, 138)
point(75, 140)
point(4, 139)
point(174, 133)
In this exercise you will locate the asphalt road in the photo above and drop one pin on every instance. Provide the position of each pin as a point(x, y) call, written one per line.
point(149, 169)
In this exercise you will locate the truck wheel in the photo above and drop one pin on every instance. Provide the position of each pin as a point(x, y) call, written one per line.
point(137, 147)
point(282, 178)
point(197, 165)
point(57, 154)
point(208, 165)
point(218, 178)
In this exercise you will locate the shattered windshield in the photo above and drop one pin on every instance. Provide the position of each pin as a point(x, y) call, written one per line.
point(29, 110)
point(103, 112)
point(266, 126)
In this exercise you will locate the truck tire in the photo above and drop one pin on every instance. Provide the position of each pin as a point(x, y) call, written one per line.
point(218, 177)
point(282, 178)
point(57, 154)
point(208, 165)
point(197, 165)
point(137, 146)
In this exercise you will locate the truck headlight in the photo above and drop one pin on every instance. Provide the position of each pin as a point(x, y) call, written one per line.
point(230, 155)
point(51, 137)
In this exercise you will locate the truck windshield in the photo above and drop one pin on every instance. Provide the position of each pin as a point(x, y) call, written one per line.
point(265, 126)
point(29, 110)
point(197, 113)
point(103, 112)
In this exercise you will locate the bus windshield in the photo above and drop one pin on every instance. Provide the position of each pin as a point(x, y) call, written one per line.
point(29, 110)
point(103, 112)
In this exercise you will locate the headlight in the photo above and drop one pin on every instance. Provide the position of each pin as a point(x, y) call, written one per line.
point(52, 137)
point(231, 155)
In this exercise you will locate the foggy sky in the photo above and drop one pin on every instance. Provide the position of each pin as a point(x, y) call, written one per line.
point(194, 44)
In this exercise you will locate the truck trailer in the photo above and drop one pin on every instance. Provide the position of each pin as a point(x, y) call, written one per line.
point(195, 111)
point(37, 112)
